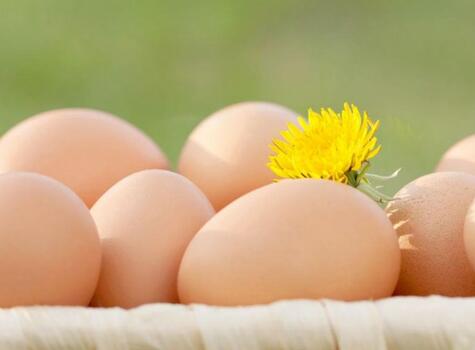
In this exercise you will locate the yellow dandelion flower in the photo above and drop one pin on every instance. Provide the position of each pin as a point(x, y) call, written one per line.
point(329, 145)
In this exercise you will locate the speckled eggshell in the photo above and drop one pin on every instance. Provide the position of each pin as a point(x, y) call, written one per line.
point(227, 153)
point(145, 223)
point(469, 234)
point(49, 247)
point(429, 217)
point(87, 150)
point(461, 157)
point(296, 239)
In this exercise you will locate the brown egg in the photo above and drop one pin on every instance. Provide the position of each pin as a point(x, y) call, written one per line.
point(145, 222)
point(469, 234)
point(429, 217)
point(226, 155)
point(49, 247)
point(291, 240)
point(461, 157)
point(87, 150)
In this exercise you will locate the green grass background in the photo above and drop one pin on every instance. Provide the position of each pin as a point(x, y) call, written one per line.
point(165, 65)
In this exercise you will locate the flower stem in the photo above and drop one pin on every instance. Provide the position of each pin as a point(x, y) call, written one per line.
point(373, 193)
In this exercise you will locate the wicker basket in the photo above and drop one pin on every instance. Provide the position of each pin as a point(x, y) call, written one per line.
point(396, 323)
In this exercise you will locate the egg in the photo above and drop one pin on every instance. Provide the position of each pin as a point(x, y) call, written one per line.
point(49, 247)
point(295, 239)
point(227, 153)
point(469, 235)
point(429, 215)
point(145, 222)
point(87, 150)
point(461, 157)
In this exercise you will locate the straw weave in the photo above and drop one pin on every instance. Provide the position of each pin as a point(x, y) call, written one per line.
point(396, 323)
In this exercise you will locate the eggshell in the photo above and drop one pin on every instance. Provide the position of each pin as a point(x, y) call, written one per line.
point(469, 234)
point(461, 157)
point(429, 217)
point(87, 150)
point(290, 240)
point(49, 247)
point(145, 222)
point(226, 155)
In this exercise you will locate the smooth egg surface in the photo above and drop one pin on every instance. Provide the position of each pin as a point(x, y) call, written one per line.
point(49, 247)
point(429, 216)
point(227, 153)
point(87, 150)
point(469, 234)
point(295, 239)
point(145, 223)
point(461, 157)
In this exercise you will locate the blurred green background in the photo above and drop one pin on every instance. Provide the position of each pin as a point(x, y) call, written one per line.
point(165, 65)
